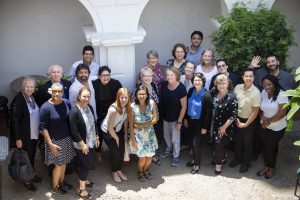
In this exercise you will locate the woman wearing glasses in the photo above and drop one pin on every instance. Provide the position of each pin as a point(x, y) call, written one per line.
point(54, 126)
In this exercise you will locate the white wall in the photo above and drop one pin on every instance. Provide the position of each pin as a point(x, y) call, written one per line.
point(37, 33)
point(290, 8)
point(170, 21)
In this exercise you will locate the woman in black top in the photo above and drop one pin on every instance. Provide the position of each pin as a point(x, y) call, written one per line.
point(225, 109)
point(85, 137)
point(54, 126)
point(198, 117)
point(25, 121)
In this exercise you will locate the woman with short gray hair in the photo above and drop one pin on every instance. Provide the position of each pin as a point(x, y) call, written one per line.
point(25, 122)
point(155, 66)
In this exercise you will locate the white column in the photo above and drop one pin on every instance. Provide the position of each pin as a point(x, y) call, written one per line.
point(115, 32)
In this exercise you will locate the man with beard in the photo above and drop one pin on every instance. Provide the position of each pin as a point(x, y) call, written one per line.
point(82, 79)
point(195, 51)
point(286, 80)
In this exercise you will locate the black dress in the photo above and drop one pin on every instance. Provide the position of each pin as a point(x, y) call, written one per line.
point(223, 109)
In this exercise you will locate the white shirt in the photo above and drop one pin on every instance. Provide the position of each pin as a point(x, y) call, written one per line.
point(34, 115)
point(94, 67)
point(208, 75)
point(74, 89)
point(119, 119)
point(270, 108)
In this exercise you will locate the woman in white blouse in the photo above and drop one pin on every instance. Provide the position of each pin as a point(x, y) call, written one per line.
point(207, 66)
point(273, 122)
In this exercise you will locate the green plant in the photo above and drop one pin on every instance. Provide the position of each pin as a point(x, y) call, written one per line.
point(293, 104)
point(245, 33)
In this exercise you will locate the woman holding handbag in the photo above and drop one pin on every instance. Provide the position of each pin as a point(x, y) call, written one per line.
point(25, 123)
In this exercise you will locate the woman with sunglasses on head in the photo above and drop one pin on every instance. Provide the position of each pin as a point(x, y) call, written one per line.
point(54, 126)
point(85, 138)
point(273, 122)
point(225, 108)
point(198, 117)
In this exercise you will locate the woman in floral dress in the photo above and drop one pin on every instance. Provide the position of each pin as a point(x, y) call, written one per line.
point(142, 134)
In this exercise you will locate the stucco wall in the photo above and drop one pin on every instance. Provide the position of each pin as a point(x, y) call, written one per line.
point(37, 33)
point(290, 8)
point(170, 21)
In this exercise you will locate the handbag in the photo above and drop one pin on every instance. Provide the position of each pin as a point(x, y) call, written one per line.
point(19, 167)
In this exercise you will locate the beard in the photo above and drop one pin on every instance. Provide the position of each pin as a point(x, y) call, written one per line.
point(83, 78)
point(273, 67)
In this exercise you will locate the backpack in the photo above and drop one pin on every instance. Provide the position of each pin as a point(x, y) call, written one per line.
point(19, 167)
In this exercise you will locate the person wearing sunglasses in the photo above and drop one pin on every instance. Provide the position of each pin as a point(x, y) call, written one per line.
point(223, 69)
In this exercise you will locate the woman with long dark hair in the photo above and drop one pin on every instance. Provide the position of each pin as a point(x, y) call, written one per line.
point(272, 121)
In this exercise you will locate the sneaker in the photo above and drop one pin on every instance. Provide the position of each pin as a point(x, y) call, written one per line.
point(234, 163)
point(243, 169)
point(66, 186)
point(175, 162)
point(29, 186)
point(165, 154)
point(59, 191)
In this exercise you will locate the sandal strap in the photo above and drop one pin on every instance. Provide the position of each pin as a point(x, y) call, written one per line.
point(83, 193)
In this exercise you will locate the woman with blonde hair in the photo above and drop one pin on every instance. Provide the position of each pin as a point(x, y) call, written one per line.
point(85, 137)
point(114, 130)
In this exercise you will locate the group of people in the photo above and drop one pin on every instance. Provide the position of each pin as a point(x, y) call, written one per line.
point(178, 106)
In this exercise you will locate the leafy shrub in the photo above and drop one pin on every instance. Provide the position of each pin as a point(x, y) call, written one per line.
point(245, 33)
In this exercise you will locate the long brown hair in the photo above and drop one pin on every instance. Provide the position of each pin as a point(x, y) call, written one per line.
point(80, 91)
point(122, 91)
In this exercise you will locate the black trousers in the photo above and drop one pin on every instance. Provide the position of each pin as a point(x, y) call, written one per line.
point(85, 161)
point(257, 143)
point(244, 143)
point(270, 140)
point(194, 132)
point(117, 152)
point(220, 149)
point(30, 147)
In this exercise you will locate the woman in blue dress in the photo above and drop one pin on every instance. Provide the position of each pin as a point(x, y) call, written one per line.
point(142, 134)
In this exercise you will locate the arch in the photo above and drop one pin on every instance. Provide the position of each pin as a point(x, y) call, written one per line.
point(96, 18)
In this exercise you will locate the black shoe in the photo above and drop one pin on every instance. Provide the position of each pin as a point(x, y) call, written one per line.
point(218, 172)
point(59, 191)
point(195, 169)
point(190, 164)
point(224, 161)
point(234, 163)
point(156, 161)
point(243, 169)
point(37, 179)
point(66, 186)
point(30, 186)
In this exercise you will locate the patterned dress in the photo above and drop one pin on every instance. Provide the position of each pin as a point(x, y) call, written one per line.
point(145, 137)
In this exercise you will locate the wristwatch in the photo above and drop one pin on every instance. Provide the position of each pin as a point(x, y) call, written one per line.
point(178, 122)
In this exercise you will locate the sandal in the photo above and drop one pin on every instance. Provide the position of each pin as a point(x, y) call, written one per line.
point(89, 184)
point(142, 177)
point(262, 172)
point(148, 174)
point(84, 194)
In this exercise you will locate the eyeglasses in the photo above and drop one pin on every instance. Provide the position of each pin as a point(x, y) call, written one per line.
point(57, 91)
point(142, 94)
point(105, 75)
point(219, 66)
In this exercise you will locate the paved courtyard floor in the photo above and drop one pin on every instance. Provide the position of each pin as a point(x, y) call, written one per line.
point(175, 182)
